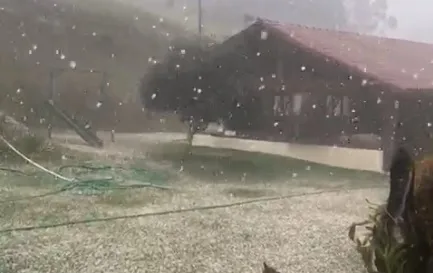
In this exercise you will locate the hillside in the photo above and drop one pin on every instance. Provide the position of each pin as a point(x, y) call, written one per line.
point(40, 35)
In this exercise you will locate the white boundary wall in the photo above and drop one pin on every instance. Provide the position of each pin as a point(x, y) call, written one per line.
point(360, 159)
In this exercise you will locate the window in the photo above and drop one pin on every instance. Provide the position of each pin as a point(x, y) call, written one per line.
point(282, 105)
point(297, 103)
point(277, 105)
point(333, 106)
point(287, 105)
point(346, 106)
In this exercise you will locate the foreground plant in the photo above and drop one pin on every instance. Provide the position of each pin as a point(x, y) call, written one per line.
point(397, 238)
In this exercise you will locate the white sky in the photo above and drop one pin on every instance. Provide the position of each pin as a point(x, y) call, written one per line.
point(415, 19)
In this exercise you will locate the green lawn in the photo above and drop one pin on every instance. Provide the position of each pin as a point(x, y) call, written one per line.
point(219, 165)
point(97, 196)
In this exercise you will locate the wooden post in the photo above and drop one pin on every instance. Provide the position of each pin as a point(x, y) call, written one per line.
point(113, 136)
point(51, 98)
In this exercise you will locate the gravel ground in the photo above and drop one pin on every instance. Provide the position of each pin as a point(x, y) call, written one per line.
point(298, 234)
point(301, 234)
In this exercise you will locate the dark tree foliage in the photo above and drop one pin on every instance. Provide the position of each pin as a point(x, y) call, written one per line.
point(200, 91)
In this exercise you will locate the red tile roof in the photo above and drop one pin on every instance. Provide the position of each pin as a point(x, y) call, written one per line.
point(404, 64)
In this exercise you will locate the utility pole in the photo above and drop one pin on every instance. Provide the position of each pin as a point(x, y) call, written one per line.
point(200, 24)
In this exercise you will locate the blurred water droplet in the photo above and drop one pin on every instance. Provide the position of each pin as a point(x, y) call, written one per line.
point(18, 90)
point(62, 57)
point(161, 19)
point(264, 35)
point(153, 96)
point(294, 175)
point(98, 104)
point(379, 100)
point(364, 82)
point(276, 124)
point(429, 124)
point(314, 106)
point(303, 68)
point(199, 91)
point(74, 27)
point(34, 46)
point(94, 34)
point(308, 168)
point(258, 53)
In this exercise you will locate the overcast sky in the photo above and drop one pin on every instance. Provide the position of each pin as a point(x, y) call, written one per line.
point(415, 18)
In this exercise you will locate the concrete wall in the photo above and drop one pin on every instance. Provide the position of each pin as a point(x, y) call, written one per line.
point(360, 159)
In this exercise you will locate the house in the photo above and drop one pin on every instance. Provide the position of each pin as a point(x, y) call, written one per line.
point(319, 86)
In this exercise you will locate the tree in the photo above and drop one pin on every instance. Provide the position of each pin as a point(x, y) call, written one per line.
point(202, 89)
point(182, 84)
point(369, 16)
